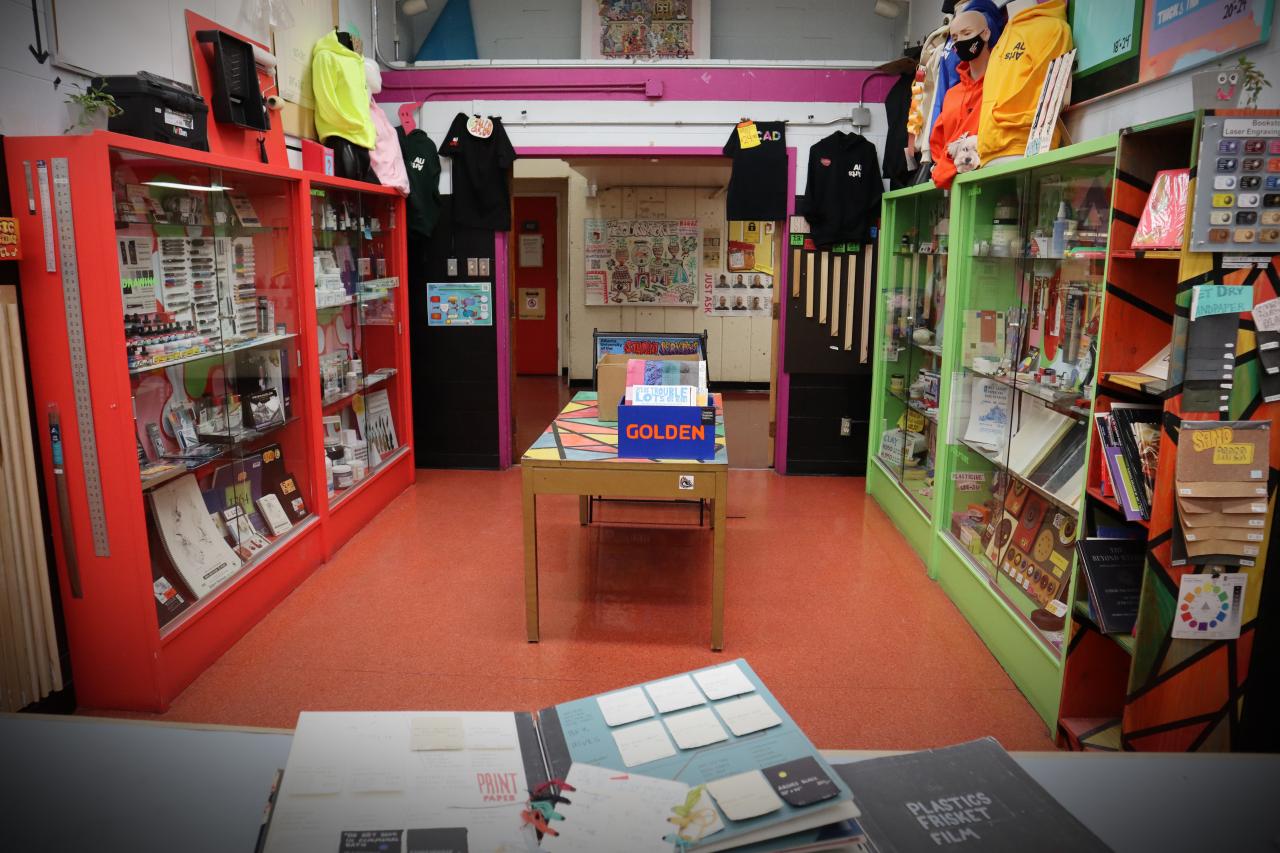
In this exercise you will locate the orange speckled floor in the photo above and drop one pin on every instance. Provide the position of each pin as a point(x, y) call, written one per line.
point(424, 609)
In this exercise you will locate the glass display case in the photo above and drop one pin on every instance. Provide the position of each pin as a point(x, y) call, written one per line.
point(1024, 322)
point(211, 320)
point(915, 234)
point(359, 315)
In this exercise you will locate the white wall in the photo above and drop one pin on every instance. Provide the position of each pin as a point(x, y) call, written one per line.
point(153, 40)
point(739, 348)
point(805, 30)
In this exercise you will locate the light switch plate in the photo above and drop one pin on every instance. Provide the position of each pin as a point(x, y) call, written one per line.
point(484, 267)
point(453, 266)
point(473, 266)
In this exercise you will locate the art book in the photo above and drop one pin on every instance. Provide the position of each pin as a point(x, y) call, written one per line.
point(1112, 571)
point(195, 547)
point(972, 796)
point(703, 761)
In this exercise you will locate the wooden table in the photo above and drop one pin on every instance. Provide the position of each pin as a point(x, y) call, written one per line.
point(578, 455)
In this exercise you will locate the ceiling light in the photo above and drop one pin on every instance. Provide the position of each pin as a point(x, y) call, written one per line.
point(888, 9)
point(413, 7)
point(200, 188)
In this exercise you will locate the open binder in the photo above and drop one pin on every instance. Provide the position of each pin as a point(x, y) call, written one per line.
point(714, 742)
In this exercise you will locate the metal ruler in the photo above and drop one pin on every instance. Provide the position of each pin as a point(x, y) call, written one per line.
point(79, 357)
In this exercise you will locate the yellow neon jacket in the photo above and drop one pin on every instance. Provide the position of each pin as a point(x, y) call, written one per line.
point(341, 93)
point(1011, 86)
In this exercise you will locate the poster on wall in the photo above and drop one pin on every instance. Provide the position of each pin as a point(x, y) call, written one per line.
point(648, 343)
point(738, 294)
point(650, 262)
point(459, 303)
point(1105, 34)
point(656, 30)
point(1180, 34)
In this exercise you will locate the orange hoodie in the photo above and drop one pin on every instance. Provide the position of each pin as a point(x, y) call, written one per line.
point(1019, 62)
point(960, 111)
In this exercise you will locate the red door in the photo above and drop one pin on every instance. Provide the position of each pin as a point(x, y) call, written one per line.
point(536, 239)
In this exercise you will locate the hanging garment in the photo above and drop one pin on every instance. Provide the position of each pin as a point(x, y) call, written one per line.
point(1019, 62)
point(959, 116)
point(896, 106)
point(842, 195)
point(422, 165)
point(758, 182)
point(385, 158)
point(481, 191)
point(340, 92)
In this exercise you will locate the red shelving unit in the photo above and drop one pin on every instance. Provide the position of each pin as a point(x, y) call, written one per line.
point(196, 334)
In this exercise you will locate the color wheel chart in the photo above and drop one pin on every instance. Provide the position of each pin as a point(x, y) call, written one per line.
point(1207, 606)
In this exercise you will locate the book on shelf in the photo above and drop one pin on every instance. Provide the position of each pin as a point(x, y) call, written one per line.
point(1038, 431)
point(1165, 213)
point(1156, 369)
point(971, 796)
point(1061, 472)
point(1112, 571)
point(1136, 428)
point(707, 759)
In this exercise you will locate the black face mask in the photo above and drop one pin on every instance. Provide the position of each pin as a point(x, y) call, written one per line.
point(970, 48)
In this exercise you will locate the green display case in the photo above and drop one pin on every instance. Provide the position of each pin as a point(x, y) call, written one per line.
point(914, 242)
point(1028, 273)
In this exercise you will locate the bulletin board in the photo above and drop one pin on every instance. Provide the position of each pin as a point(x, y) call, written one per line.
point(645, 262)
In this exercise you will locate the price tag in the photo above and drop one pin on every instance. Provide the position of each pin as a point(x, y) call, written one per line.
point(480, 127)
point(748, 136)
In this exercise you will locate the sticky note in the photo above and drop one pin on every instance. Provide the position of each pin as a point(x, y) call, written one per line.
point(436, 733)
point(625, 706)
point(693, 729)
point(744, 716)
point(748, 135)
point(1266, 315)
point(744, 796)
point(642, 743)
point(722, 682)
point(674, 694)
point(1210, 299)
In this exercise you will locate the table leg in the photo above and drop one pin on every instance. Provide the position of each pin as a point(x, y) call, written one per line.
point(530, 555)
point(719, 506)
point(584, 509)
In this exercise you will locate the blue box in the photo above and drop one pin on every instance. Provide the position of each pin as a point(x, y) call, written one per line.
point(666, 432)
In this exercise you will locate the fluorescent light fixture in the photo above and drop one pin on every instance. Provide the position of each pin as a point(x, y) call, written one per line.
point(200, 188)
point(413, 7)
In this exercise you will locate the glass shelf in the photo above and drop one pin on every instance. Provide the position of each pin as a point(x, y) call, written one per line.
point(995, 459)
point(1064, 403)
point(260, 341)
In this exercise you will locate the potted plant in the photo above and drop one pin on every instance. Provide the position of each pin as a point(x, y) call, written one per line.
point(90, 109)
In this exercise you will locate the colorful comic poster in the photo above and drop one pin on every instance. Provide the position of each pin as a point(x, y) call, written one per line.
point(652, 262)
point(1179, 34)
point(646, 29)
point(464, 303)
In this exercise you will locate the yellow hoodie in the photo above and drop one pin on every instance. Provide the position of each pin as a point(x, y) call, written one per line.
point(341, 93)
point(1011, 86)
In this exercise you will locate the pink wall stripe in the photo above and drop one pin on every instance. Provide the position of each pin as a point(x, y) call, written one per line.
point(502, 318)
point(534, 83)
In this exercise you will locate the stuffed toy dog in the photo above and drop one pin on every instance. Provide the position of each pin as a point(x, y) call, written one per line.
point(964, 153)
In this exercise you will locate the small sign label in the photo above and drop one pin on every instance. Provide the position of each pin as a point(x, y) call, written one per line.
point(748, 136)
point(1235, 127)
point(10, 247)
point(179, 119)
point(686, 482)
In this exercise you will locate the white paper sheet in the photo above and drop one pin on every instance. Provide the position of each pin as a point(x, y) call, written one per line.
point(744, 716)
point(674, 694)
point(642, 743)
point(315, 781)
point(745, 795)
point(623, 812)
point(437, 733)
point(723, 682)
point(693, 729)
point(625, 706)
point(989, 414)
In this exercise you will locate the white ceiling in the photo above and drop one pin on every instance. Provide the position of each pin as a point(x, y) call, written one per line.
point(608, 172)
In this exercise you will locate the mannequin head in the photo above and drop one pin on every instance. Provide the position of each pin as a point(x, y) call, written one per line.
point(372, 75)
point(971, 37)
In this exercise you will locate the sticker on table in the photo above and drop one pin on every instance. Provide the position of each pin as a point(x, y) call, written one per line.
point(436, 733)
point(642, 743)
point(685, 483)
point(674, 694)
point(693, 729)
point(744, 716)
point(371, 841)
point(697, 818)
point(745, 795)
point(1209, 607)
point(625, 706)
point(723, 682)
point(801, 782)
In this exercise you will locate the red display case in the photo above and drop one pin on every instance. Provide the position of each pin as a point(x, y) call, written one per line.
point(169, 297)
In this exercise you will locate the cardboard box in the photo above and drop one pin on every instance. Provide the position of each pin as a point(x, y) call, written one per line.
point(611, 379)
point(666, 432)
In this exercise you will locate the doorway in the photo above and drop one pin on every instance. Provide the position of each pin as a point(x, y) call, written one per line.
point(536, 284)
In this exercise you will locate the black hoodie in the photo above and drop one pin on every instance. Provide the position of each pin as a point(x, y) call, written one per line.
point(842, 196)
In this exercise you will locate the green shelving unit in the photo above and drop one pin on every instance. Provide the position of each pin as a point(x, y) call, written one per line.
point(997, 523)
point(905, 415)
